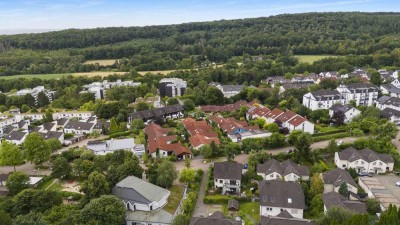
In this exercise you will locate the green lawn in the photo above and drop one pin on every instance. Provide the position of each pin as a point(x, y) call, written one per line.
point(327, 129)
point(311, 58)
point(48, 185)
point(250, 209)
point(174, 199)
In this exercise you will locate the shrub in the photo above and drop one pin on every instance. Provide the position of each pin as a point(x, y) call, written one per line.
point(223, 199)
point(120, 134)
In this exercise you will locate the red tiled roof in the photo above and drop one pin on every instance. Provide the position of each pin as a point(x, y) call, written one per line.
point(284, 117)
point(274, 113)
point(296, 121)
point(157, 138)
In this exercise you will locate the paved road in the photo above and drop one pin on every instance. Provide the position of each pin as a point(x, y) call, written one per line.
point(201, 208)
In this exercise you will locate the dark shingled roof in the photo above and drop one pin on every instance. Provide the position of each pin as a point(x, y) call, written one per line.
point(16, 135)
point(278, 220)
point(216, 218)
point(335, 199)
point(284, 168)
point(365, 86)
point(77, 125)
point(228, 170)
point(153, 113)
point(389, 112)
point(233, 204)
point(351, 154)
point(337, 176)
point(339, 107)
point(325, 94)
point(284, 194)
point(51, 134)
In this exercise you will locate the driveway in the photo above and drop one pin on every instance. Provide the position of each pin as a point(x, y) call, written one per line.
point(201, 209)
point(389, 181)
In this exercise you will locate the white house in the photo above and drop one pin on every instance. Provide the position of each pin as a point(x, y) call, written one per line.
point(335, 177)
point(392, 115)
point(109, 146)
point(362, 93)
point(364, 160)
point(322, 99)
point(98, 89)
point(144, 201)
point(396, 83)
point(77, 127)
point(287, 171)
point(81, 115)
point(228, 177)
point(16, 137)
point(277, 196)
point(349, 111)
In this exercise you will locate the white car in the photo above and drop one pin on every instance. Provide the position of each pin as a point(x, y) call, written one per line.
point(398, 183)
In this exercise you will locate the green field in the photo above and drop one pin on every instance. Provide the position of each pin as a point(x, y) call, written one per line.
point(311, 58)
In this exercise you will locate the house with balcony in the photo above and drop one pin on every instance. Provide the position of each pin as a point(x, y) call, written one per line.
point(287, 171)
point(228, 177)
point(362, 93)
point(277, 196)
point(365, 160)
point(322, 99)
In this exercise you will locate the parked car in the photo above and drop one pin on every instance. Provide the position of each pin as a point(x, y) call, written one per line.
point(364, 174)
point(398, 183)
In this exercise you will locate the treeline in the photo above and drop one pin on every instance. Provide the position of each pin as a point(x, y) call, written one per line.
point(196, 44)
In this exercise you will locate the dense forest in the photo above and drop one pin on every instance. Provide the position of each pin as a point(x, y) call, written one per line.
point(373, 37)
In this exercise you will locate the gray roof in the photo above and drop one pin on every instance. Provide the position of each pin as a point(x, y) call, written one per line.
point(394, 90)
point(389, 101)
point(389, 112)
point(156, 216)
point(134, 189)
point(232, 88)
point(339, 107)
point(284, 218)
point(51, 134)
point(284, 168)
point(62, 122)
point(233, 204)
point(296, 85)
point(228, 170)
point(337, 176)
point(361, 86)
point(16, 135)
point(48, 126)
point(387, 86)
point(285, 194)
point(216, 218)
point(111, 145)
point(351, 154)
point(77, 125)
point(99, 125)
point(335, 199)
point(325, 94)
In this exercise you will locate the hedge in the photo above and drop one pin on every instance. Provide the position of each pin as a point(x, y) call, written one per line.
point(329, 133)
point(223, 199)
point(329, 137)
point(120, 134)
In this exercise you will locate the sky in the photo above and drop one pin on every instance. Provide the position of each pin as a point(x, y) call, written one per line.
point(41, 15)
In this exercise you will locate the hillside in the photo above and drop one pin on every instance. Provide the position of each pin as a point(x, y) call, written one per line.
point(189, 45)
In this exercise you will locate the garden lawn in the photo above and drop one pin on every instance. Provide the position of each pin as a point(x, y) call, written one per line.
point(174, 199)
point(250, 209)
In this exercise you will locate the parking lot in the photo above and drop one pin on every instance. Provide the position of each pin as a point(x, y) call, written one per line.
point(389, 181)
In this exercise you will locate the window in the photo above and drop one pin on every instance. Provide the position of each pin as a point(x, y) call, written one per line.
point(293, 211)
point(380, 163)
point(374, 163)
point(344, 165)
point(272, 175)
point(220, 181)
point(272, 199)
point(362, 162)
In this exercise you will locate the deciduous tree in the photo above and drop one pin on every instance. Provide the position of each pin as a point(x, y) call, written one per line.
point(36, 149)
point(10, 154)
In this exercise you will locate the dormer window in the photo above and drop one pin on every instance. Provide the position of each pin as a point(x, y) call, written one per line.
point(289, 200)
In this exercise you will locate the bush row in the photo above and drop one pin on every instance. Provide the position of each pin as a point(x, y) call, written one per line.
point(329, 132)
point(331, 136)
point(223, 199)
